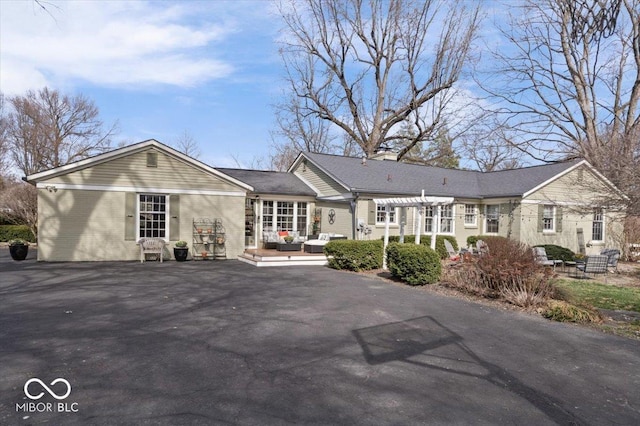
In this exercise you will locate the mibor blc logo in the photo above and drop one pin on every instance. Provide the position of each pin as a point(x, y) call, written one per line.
point(35, 389)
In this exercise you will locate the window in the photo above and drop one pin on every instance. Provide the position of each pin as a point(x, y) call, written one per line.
point(153, 216)
point(597, 229)
point(428, 219)
point(284, 216)
point(470, 215)
point(267, 216)
point(302, 218)
point(548, 218)
point(446, 219)
point(380, 209)
point(492, 218)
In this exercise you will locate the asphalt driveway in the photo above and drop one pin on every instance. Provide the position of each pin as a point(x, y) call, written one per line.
point(227, 343)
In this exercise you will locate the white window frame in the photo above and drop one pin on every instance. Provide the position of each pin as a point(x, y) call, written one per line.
point(428, 218)
point(598, 212)
point(166, 214)
point(548, 221)
point(274, 215)
point(473, 214)
point(486, 219)
point(393, 215)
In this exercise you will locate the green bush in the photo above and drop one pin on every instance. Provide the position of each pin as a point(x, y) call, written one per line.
point(14, 232)
point(414, 264)
point(558, 252)
point(473, 239)
point(425, 240)
point(354, 255)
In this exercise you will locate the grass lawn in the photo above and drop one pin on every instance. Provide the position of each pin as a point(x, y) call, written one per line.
point(600, 295)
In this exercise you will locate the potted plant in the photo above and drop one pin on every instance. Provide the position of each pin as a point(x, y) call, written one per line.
point(180, 251)
point(288, 239)
point(204, 255)
point(18, 249)
point(219, 240)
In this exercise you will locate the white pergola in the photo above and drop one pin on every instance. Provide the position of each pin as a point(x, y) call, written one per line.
point(418, 203)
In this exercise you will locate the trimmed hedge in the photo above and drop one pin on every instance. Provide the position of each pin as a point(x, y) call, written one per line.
point(557, 252)
point(354, 255)
point(425, 240)
point(473, 239)
point(14, 232)
point(414, 264)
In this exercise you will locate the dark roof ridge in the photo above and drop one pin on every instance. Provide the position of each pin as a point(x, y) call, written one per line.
point(248, 170)
point(393, 162)
point(551, 163)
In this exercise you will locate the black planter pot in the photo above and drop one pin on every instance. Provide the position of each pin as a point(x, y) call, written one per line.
point(19, 252)
point(180, 253)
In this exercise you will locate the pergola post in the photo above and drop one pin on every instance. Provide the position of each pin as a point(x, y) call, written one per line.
point(386, 236)
point(416, 202)
point(419, 208)
point(435, 224)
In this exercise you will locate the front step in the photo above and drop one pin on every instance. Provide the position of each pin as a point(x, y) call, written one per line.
point(284, 260)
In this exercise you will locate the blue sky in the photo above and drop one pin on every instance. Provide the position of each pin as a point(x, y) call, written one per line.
point(210, 68)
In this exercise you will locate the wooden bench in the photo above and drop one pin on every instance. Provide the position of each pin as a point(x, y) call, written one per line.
point(151, 246)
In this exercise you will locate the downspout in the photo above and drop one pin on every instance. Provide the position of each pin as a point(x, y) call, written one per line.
point(353, 206)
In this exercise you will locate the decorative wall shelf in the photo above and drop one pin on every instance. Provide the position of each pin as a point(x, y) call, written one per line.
point(209, 239)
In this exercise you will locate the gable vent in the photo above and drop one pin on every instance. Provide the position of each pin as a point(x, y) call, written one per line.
point(152, 159)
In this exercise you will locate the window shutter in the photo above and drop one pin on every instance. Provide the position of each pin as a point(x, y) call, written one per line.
point(174, 217)
point(130, 207)
point(540, 216)
point(372, 213)
point(558, 219)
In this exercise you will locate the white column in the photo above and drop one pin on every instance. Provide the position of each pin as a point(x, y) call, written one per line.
point(386, 236)
point(419, 220)
point(435, 225)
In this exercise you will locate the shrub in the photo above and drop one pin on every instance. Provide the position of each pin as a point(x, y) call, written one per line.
point(559, 310)
point(14, 232)
point(473, 239)
point(425, 240)
point(354, 255)
point(508, 271)
point(414, 264)
point(558, 252)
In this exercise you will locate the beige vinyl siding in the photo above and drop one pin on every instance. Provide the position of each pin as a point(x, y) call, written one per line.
point(575, 194)
point(77, 225)
point(342, 223)
point(82, 226)
point(132, 170)
point(577, 187)
point(319, 179)
point(228, 208)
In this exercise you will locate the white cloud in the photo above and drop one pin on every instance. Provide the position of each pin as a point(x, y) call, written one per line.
point(109, 43)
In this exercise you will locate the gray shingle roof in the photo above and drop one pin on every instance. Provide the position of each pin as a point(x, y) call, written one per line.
point(269, 182)
point(390, 177)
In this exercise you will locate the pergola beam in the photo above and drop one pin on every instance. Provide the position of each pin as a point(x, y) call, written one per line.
point(419, 203)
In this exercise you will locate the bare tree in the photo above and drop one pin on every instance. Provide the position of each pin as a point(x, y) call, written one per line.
point(368, 66)
point(187, 145)
point(4, 145)
point(20, 201)
point(46, 129)
point(568, 84)
point(489, 148)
